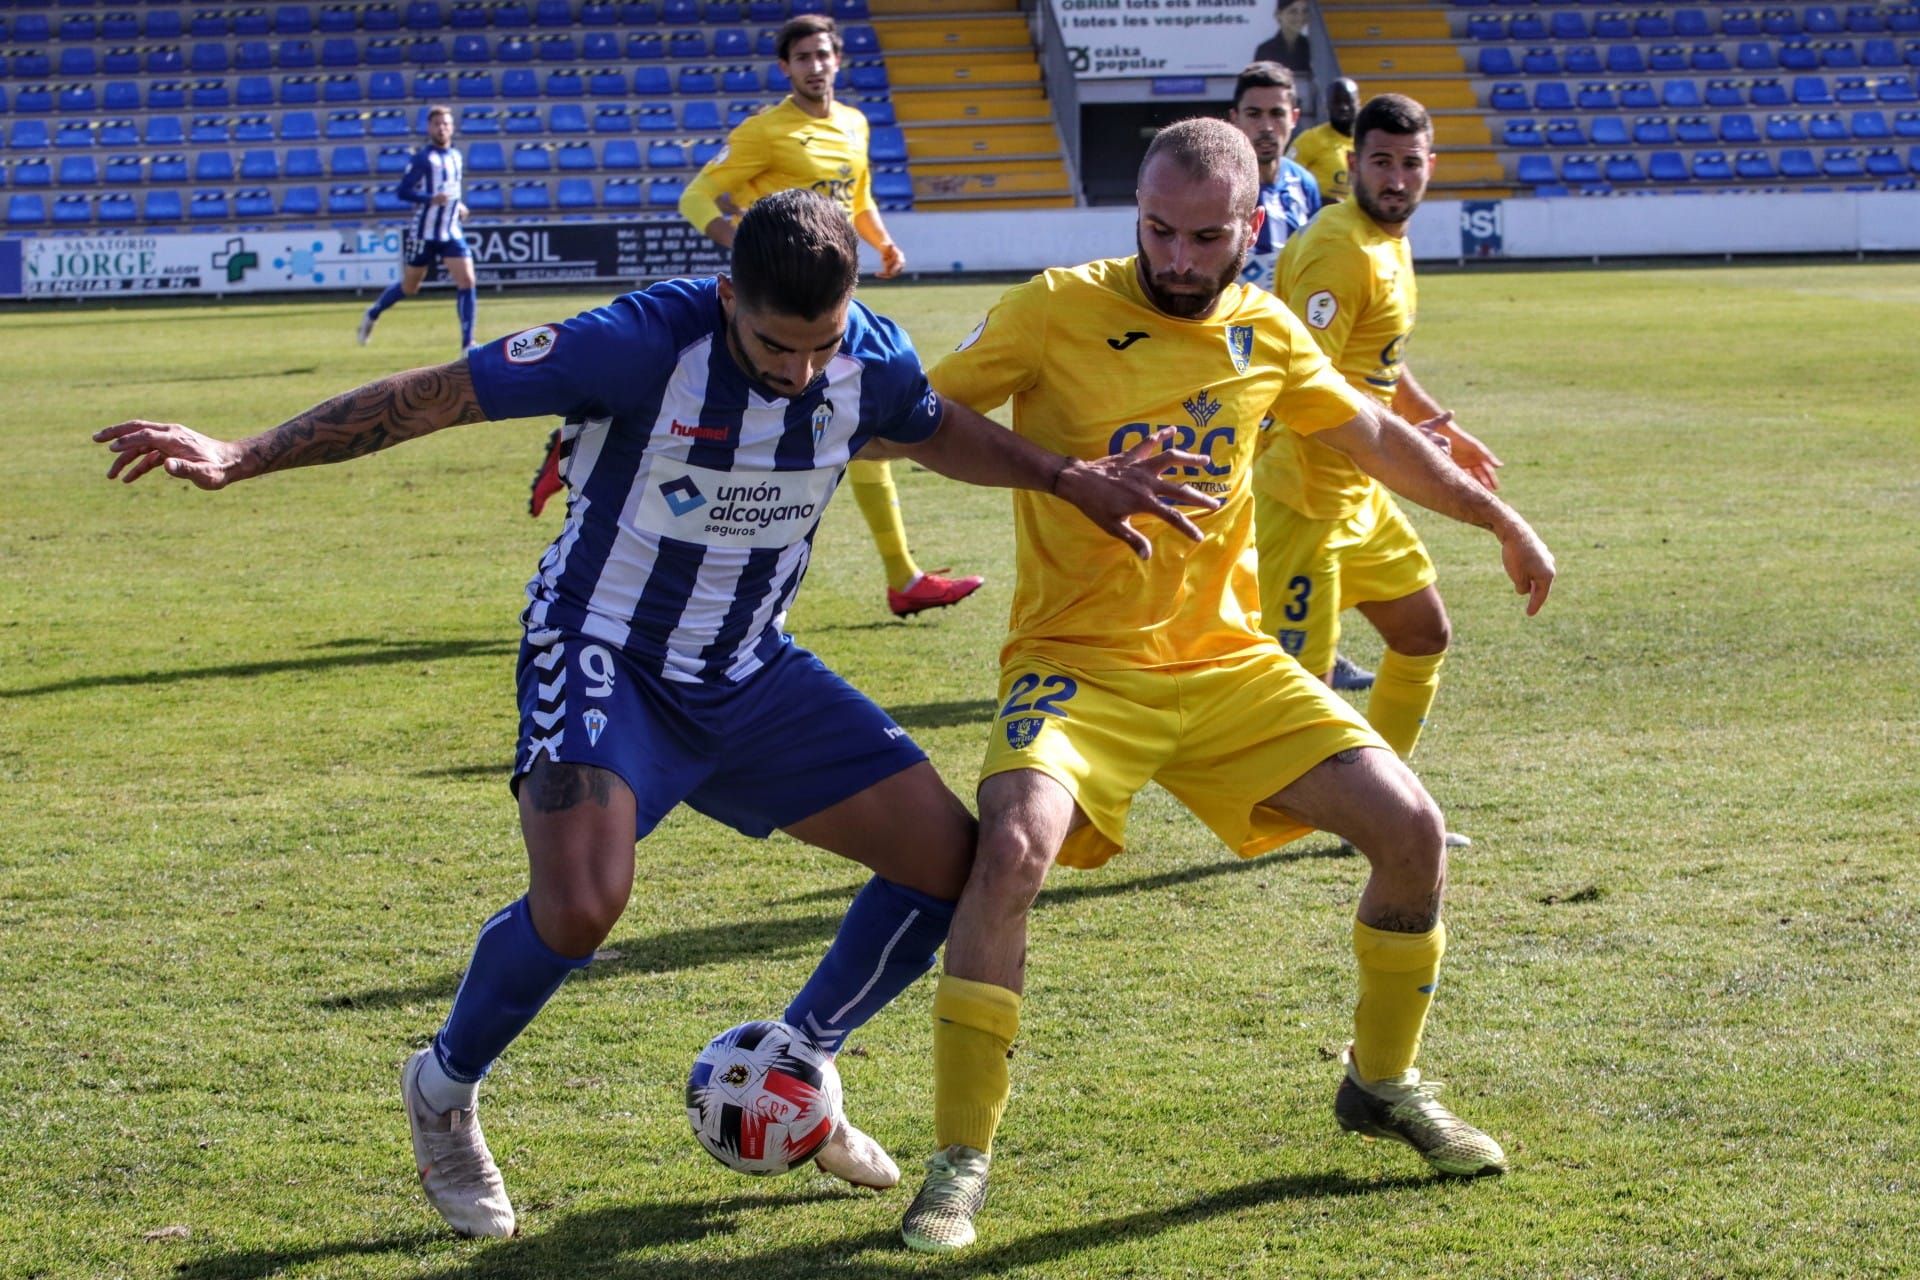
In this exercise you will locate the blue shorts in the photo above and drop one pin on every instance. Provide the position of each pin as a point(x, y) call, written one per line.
point(794, 739)
point(427, 253)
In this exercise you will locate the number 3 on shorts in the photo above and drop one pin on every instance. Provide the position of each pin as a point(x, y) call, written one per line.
point(1058, 690)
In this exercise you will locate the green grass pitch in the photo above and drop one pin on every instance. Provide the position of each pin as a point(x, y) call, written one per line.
point(254, 811)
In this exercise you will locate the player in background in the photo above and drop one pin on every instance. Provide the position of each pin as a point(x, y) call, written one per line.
point(1265, 110)
point(1323, 148)
point(1330, 536)
point(810, 140)
point(434, 182)
point(719, 416)
point(1120, 670)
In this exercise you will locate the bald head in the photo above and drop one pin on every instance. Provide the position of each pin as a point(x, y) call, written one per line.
point(1206, 150)
point(1343, 103)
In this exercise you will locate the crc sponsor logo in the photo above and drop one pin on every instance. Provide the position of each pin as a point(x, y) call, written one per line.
point(531, 345)
point(1196, 436)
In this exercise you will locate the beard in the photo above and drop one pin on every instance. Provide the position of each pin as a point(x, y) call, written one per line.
point(755, 374)
point(1187, 306)
point(1370, 205)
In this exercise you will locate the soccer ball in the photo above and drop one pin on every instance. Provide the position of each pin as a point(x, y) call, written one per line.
point(762, 1098)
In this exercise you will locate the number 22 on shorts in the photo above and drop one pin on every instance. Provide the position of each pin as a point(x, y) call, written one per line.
point(1053, 690)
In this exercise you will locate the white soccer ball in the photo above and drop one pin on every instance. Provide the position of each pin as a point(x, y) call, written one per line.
point(762, 1098)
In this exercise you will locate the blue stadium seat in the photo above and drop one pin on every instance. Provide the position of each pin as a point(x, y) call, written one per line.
point(871, 76)
point(1562, 131)
point(384, 53)
point(349, 162)
point(427, 51)
point(123, 169)
point(1691, 24)
point(664, 193)
point(1667, 58)
point(651, 82)
point(558, 49)
point(619, 193)
point(1552, 95)
point(1581, 60)
point(1739, 22)
point(722, 12)
point(511, 13)
point(1821, 20)
point(299, 90)
point(1783, 23)
point(1623, 167)
point(485, 197)
point(700, 117)
point(530, 194)
point(1869, 125)
point(607, 82)
point(339, 51)
point(1535, 169)
point(1693, 130)
point(655, 118)
point(735, 44)
point(161, 131)
point(614, 119)
point(1811, 91)
point(1797, 162)
point(620, 153)
point(567, 117)
point(479, 121)
point(878, 111)
point(704, 150)
point(346, 124)
point(523, 120)
point(766, 10)
point(1906, 124)
point(213, 166)
point(468, 15)
point(1852, 90)
point(574, 156)
point(680, 13)
point(598, 13)
point(380, 17)
point(390, 123)
point(116, 133)
point(424, 15)
point(1840, 55)
point(253, 202)
point(1769, 93)
point(207, 131)
point(1842, 162)
point(851, 10)
point(565, 84)
point(1667, 166)
point(532, 157)
point(386, 86)
point(1652, 131)
point(1884, 162)
point(163, 206)
point(1680, 93)
point(575, 193)
point(74, 133)
point(208, 206)
point(292, 20)
point(71, 210)
point(295, 55)
point(893, 190)
point(1880, 53)
point(76, 62)
point(1798, 55)
point(1709, 57)
point(432, 85)
point(341, 88)
point(1754, 166)
point(666, 155)
point(304, 162)
point(887, 146)
point(78, 171)
point(739, 113)
point(393, 162)
point(1517, 133)
point(1725, 93)
point(1610, 131)
point(553, 13)
point(1757, 56)
point(515, 49)
point(687, 44)
point(474, 84)
point(600, 46)
point(32, 173)
point(1595, 96)
point(1864, 19)
point(300, 202)
point(1786, 128)
point(299, 126)
point(519, 83)
point(28, 135)
point(1625, 59)
point(740, 80)
point(639, 13)
point(162, 95)
point(1737, 127)
point(347, 200)
point(260, 166)
point(121, 62)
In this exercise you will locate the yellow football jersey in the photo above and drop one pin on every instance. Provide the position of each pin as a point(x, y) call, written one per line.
point(1093, 369)
point(1322, 150)
point(781, 148)
point(1353, 285)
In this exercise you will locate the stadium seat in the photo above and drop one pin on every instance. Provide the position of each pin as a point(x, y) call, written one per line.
point(1625, 60)
point(1552, 95)
point(1624, 167)
point(607, 82)
point(1667, 58)
point(346, 124)
point(1693, 130)
point(72, 210)
point(600, 46)
point(78, 171)
point(380, 17)
point(693, 81)
point(1581, 60)
point(349, 162)
point(300, 202)
point(28, 135)
point(116, 207)
point(299, 126)
point(651, 82)
point(1535, 170)
point(1652, 131)
point(74, 133)
point(532, 157)
point(1638, 95)
point(878, 112)
point(260, 166)
point(1769, 93)
point(1880, 53)
point(567, 117)
point(1595, 96)
point(1610, 131)
point(700, 117)
point(655, 119)
point(1869, 125)
point(486, 157)
point(1913, 159)
point(116, 133)
point(341, 88)
point(889, 145)
point(1884, 162)
point(1842, 162)
point(292, 20)
point(620, 153)
point(304, 162)
point(1896, 90)
point(612, 120)
point(123, 169)
point(392, 162)
point(740, 80)
point(1709, 57)
point(208, 206)
point(161, 24)
point(1680, 93)
point(213, 166)
point(666, 155)
point(1786, 128)
point(511, 13)
point(704, 150)
point(163, 206)
point(1508, 97)
point(664, 193)
point(1906, 124)
point(1811, 91)
point(893, 190)
point(558, 49)
point(621, 193)
point(553, 13)
point(1797, 162)
point(1738, 127)
point(32, 172)
point(347, 200)
point(485, 197)
point(523, 120)
point(1827, 127)
point(1725, 93)
point(575, 157)
point(530, 194)
point(1517, 133)
point(299, 90)
point(1667, 166)
point(474, 84)
point(575, 193)
point(1754, 166)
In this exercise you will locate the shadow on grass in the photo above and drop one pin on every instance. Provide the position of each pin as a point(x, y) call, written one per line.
point(692, 948)
point(378, 653)
point(249, 376)
point(613, 1242)
point(942, 715)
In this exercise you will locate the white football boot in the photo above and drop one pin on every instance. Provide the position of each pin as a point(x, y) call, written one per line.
point(456, 1169)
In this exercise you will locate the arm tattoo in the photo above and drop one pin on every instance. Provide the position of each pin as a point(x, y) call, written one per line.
point(368, 419)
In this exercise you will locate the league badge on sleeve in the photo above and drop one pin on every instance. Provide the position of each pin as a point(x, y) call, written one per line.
point(530, 345)
point(1240, 345)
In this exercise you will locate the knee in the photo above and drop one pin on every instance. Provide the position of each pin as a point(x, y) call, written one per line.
point(1009, 866)
point(409, 289)
point(575, 919)
point(1408, 844)
point(1425, 638)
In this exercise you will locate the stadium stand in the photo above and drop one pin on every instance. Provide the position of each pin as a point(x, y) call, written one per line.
point(1552, 98)
point(301, 111)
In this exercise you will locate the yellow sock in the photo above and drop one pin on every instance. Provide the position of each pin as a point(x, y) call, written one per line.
point(1403, 690)
point(974, 1024)
point(880, 504)
point(1398, 972)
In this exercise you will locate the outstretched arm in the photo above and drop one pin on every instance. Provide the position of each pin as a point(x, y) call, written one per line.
point(1411, 401)
point(977, 450)
point(1407, 462)
point(362, 421)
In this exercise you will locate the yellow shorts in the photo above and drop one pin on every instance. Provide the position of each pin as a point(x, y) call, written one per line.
point(1221, 737)
point(1310, 570)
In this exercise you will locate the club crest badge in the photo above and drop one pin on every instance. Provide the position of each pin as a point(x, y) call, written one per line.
point(596, 721)
point(1240, 345)
point(1022, 731)
point(822, 419)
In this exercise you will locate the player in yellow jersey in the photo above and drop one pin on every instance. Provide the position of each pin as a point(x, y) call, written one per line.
point(811, 141)
point(1330, 536)
point(1322, 150)
point(1121, 669)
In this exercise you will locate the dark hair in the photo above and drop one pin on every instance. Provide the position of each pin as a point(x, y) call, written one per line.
point(1207, 147)
point(794, 254)
point(807, 24)
point(437, 110)
point(1393, 113)
point(1263, 75)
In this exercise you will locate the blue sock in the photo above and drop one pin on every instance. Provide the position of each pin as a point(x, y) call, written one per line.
point(392, 295)
point(885, 943)
point(511, 976)
point(463, 302)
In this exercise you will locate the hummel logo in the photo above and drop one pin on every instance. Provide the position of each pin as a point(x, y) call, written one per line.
point(1126, 340)
point(682, 495)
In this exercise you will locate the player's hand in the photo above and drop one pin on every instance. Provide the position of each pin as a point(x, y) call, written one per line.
point(439, 200)
point(1529, 564)
point(1466, 450)
point(892, 260)
point(1111, 489)
point(139, 447)
point(461, 212)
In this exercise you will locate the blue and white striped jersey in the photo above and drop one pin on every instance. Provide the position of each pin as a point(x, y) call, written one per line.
point(692, 497)
point(434, 172)
point(1291, 200)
